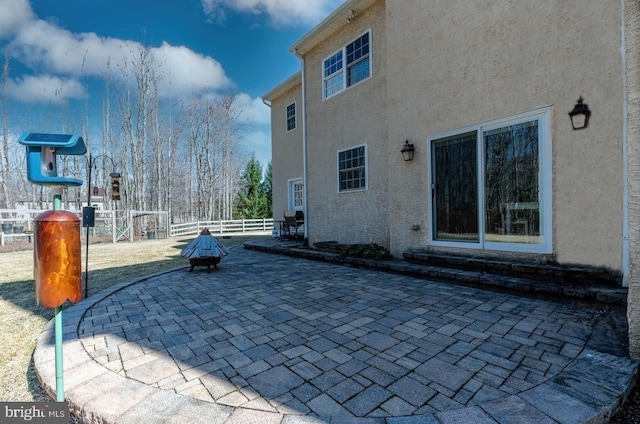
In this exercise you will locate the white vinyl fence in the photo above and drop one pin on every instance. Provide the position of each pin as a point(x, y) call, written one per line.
point(235, 226)
point(130, 225)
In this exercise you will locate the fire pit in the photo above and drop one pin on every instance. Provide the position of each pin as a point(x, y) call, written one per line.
point(204, 250)
point(204, 261)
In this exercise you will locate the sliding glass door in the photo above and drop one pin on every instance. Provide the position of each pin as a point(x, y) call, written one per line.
point(511, 184)
point(455, 182)
point(491, 185)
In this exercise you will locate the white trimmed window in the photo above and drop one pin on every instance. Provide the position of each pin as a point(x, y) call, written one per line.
point(291, 117)
point(296, 194)
point(348, 66)
point(352, 169)
point(491, 185)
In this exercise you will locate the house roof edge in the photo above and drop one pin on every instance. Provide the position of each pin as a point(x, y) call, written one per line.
point(283, 87)
point(329, 25)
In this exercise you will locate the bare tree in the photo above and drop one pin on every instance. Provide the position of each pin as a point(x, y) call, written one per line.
point(186, 161)
point(138, 111)
point(215, 155)
point(5, 171)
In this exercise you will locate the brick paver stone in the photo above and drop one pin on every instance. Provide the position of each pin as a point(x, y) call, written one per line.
point(450, 376)
point(268, 338)
point(275, 381)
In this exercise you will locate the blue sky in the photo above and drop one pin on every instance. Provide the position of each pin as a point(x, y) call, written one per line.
point(59, 50)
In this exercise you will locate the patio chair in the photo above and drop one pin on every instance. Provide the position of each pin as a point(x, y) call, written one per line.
point(293, 220)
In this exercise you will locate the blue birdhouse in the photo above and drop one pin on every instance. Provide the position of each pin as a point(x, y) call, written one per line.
point(42, 150)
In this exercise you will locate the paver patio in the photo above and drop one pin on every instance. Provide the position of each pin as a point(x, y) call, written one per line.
point(268, 338)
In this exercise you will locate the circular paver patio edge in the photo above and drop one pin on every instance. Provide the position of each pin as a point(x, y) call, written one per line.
point(98, 395)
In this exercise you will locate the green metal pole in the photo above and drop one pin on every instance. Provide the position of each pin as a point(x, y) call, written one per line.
point(57, 205)
point(59, 373)
point(57, 201)
point(86, 252)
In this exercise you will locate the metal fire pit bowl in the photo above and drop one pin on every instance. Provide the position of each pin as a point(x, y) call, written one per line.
point(204, 261)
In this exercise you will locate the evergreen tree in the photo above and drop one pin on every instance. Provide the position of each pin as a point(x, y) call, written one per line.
point(252, 202)
point(267, 190)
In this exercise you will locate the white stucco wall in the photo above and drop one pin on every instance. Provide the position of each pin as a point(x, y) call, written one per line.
point(453, 63)
point(286, 149)
point(447, 64)
point(353, 117)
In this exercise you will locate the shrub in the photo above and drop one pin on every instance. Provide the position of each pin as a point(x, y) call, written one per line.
point(369, 251)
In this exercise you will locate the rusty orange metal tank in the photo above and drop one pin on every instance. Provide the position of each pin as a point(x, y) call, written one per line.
point(57, 258)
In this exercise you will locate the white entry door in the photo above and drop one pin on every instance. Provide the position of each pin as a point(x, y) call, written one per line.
point(296, 194)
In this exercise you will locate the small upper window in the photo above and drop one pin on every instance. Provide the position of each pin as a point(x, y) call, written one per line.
point(358, 66)
point(291, 117)
point(352, 165)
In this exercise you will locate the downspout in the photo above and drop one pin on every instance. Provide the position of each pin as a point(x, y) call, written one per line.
point(304, 148)
point(267, 103)
point(625, 170)
point(632, 142)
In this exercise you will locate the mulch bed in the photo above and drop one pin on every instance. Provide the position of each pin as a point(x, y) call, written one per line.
point(630, 411)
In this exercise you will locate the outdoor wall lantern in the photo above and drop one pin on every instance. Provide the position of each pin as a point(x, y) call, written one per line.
point(408, 151)
point(580, 115)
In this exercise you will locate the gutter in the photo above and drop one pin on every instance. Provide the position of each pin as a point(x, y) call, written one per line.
point(304, 146)
point(336, 20)
point(625, 146)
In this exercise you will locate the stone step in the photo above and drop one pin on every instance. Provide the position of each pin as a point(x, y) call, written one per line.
point(572, 275)
point(571, 283)
point(516, 281)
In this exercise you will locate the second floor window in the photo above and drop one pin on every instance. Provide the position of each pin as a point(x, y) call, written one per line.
point(347, 67)
point(291, 117)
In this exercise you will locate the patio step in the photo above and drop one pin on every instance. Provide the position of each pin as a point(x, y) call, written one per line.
point(569, 282)
point(573, 285)
point(563, 274)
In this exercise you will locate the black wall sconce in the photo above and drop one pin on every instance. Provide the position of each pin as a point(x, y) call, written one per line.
point(408, 151)
point(580, 115)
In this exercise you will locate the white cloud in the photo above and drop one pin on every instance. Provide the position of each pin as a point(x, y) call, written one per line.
point(47, 48)
point(280, 12)
point(63, 62)
point(45, 89)
point(15, 13)
point(254, 111)
point(188, 71)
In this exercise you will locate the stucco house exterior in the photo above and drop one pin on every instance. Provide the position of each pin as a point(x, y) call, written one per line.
point(286, 118)
point(482, 91)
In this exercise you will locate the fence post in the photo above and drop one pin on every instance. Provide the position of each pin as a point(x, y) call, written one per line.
point(114, 230)
point(131, 232)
